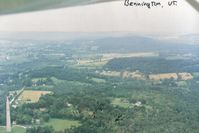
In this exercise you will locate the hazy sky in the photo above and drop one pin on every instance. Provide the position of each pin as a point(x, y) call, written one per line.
point(107, 17)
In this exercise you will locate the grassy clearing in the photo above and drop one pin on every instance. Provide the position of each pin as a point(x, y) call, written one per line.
point(126, 74)
point(56, 81)
point(29, 96)
point(182, 83)
point(73, 83)
point(90, 63)
point(110, 56)
point(98, 80)
point(111, 73)
point(196, 74)
point(15, 129)
point(41, 87)
point(2, 130)
point(120, 102)
point(57, 124)
point(61, 124)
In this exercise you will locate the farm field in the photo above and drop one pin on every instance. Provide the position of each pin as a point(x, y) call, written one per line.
point(121, 103)
point(61, 124)
point(181, 76)
point(111, 73)
point(185, 76)
point(90, 63)
point(29, 96)
point(110, 56)
point(107, 57)
point(163, 76)
point(141, 76)
point(73, 83)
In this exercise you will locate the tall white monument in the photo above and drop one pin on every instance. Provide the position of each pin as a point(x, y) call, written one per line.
point(8, 120)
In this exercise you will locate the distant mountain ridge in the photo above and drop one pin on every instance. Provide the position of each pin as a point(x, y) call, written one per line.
point(110, 42)
point(133, 44)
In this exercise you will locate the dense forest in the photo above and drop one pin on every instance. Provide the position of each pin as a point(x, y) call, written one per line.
point(164, 106)
point(153, 65)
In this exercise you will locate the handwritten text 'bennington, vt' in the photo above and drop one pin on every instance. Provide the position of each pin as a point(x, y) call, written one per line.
point(148, 4)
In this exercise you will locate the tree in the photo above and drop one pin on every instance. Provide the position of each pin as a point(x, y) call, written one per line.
point(46, 117)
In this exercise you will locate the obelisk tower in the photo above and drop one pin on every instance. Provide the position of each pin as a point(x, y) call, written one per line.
point(8, 121)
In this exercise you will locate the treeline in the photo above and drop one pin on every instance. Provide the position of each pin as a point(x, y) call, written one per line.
point(152, 65)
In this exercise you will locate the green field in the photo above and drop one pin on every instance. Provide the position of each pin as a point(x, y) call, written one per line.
point(15, 129)
point(196, 74)
point(61, 124)
point(70, 83)
point(56, 81)
point(98, 80)
point(57, 124)
point(120, 102)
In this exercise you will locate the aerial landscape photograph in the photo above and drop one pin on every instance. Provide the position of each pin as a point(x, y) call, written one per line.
point(98, 66)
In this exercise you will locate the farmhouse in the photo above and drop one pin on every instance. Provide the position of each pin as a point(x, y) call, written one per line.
point(138, 104)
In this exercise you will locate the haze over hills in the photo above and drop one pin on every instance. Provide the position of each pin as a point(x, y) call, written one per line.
point(114, 41)
point(181, 38)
